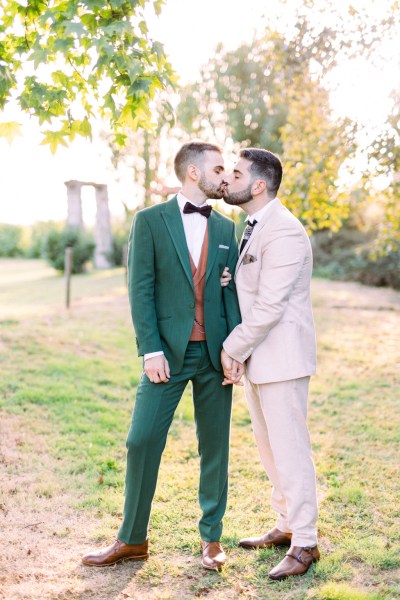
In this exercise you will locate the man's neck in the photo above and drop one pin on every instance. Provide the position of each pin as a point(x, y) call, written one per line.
point(256, 204)
point(193, 194)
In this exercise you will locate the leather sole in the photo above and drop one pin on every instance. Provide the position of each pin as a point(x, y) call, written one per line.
point(141, 557)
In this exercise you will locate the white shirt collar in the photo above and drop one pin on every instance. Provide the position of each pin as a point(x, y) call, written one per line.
point(182, 201)
point(257, 216)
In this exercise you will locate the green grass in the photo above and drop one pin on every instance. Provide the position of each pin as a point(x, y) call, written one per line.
point(70, 377)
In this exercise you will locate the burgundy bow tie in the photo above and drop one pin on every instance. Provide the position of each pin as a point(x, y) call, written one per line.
point(203, 210)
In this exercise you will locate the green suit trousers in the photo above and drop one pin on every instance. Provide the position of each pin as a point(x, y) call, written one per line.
point(152, 417)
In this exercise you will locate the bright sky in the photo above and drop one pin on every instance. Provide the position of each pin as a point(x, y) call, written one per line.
point(32, 180)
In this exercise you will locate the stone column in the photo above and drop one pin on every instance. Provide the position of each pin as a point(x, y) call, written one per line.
point(74, 214)
point(103, 236)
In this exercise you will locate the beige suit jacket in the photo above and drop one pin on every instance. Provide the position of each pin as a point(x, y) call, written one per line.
point(273, 274)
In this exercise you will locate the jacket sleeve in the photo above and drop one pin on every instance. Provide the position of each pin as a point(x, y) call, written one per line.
point(282, 259)
point(141, 286)
point(229, 294)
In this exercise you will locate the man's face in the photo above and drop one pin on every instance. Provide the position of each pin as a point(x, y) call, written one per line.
point(212, 175)
point(240, 181)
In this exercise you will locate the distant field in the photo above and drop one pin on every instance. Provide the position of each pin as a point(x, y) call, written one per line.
point(30, 287)
point(67, 385)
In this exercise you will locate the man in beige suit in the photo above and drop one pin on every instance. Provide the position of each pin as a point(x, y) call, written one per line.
point(276, 341)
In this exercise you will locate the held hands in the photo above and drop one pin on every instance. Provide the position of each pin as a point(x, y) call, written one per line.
point(157, 369)
point(233, 370)
point(225, 277)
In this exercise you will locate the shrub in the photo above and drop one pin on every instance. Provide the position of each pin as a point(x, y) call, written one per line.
point(382, 272)
point(11, 240)
point(346, 255)
point(57, 241)
point(120, 237)
point(38, 233)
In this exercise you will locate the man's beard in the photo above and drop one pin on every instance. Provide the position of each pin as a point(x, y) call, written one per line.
point(210, 189)
point(238, 198)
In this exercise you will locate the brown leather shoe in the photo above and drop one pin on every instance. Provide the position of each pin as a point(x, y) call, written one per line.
point(296, 562)
point(115, 553)
point(212, 556)
point(272, 538)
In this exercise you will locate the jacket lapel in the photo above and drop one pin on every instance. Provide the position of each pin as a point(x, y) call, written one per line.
point(214, 224)
point(174, 224)
point(265, 221)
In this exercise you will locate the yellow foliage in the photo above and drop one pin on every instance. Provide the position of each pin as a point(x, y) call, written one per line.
point(10, 130)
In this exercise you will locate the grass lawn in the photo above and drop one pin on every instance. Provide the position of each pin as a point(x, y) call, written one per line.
point(67, 386)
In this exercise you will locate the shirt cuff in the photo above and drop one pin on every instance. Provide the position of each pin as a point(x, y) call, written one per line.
point(241, 358)
point(151, 354)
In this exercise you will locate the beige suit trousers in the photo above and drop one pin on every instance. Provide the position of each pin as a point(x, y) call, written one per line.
point(279, 418)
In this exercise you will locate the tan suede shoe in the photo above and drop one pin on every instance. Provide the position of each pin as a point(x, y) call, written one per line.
point(115, 553)
point(296, 562)
point(274, 537)
point(212, 556)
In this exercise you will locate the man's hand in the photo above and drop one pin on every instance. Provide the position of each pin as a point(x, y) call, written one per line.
point(225, 277)
point(157, 369)
point(233, 370)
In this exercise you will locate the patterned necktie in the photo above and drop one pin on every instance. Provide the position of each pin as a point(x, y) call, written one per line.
point(246, 234)
point(203, 210)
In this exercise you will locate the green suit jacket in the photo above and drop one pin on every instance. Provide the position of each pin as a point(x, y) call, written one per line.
point(160, 283)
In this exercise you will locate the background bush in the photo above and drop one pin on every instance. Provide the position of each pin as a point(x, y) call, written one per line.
point(81, 242)
point(37, 236)
point(346, 255)
point(120, 235)
point(11, 240)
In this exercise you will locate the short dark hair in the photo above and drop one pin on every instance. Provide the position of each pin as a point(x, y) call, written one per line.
point(264, 165)
point(192, 153)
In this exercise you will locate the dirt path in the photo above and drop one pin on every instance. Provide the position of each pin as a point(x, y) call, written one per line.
point(44, 536)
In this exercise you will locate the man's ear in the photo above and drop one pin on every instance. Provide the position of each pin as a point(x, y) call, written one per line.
point(258, 187)
point(193, 172)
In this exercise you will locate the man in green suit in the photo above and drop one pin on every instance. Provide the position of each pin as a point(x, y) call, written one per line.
point(181, 315)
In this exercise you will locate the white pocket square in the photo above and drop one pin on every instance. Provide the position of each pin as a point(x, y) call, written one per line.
point(224, 247)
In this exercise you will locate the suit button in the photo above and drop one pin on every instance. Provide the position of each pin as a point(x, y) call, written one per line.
point(191, 305)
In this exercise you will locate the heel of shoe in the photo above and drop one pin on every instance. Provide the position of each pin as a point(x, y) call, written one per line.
point(139, 557)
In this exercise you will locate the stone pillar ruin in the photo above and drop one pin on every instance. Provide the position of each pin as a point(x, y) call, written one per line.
point(74, 214)
point(103, 235)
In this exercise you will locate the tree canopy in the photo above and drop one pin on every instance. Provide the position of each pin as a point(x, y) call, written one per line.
point(263, 94)
point(68, 62)
point(385, 158)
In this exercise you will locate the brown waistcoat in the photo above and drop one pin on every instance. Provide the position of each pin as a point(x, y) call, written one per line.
point(199, 279)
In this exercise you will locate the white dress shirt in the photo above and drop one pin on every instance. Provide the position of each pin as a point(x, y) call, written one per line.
point(195, 226)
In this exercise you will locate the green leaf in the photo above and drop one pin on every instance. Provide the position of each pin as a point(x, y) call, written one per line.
point(143, 27)
point(59, 77)
point(158, 6)
point(135, 69)
point(74, 28)
point(40, 56)
point(85, 128)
